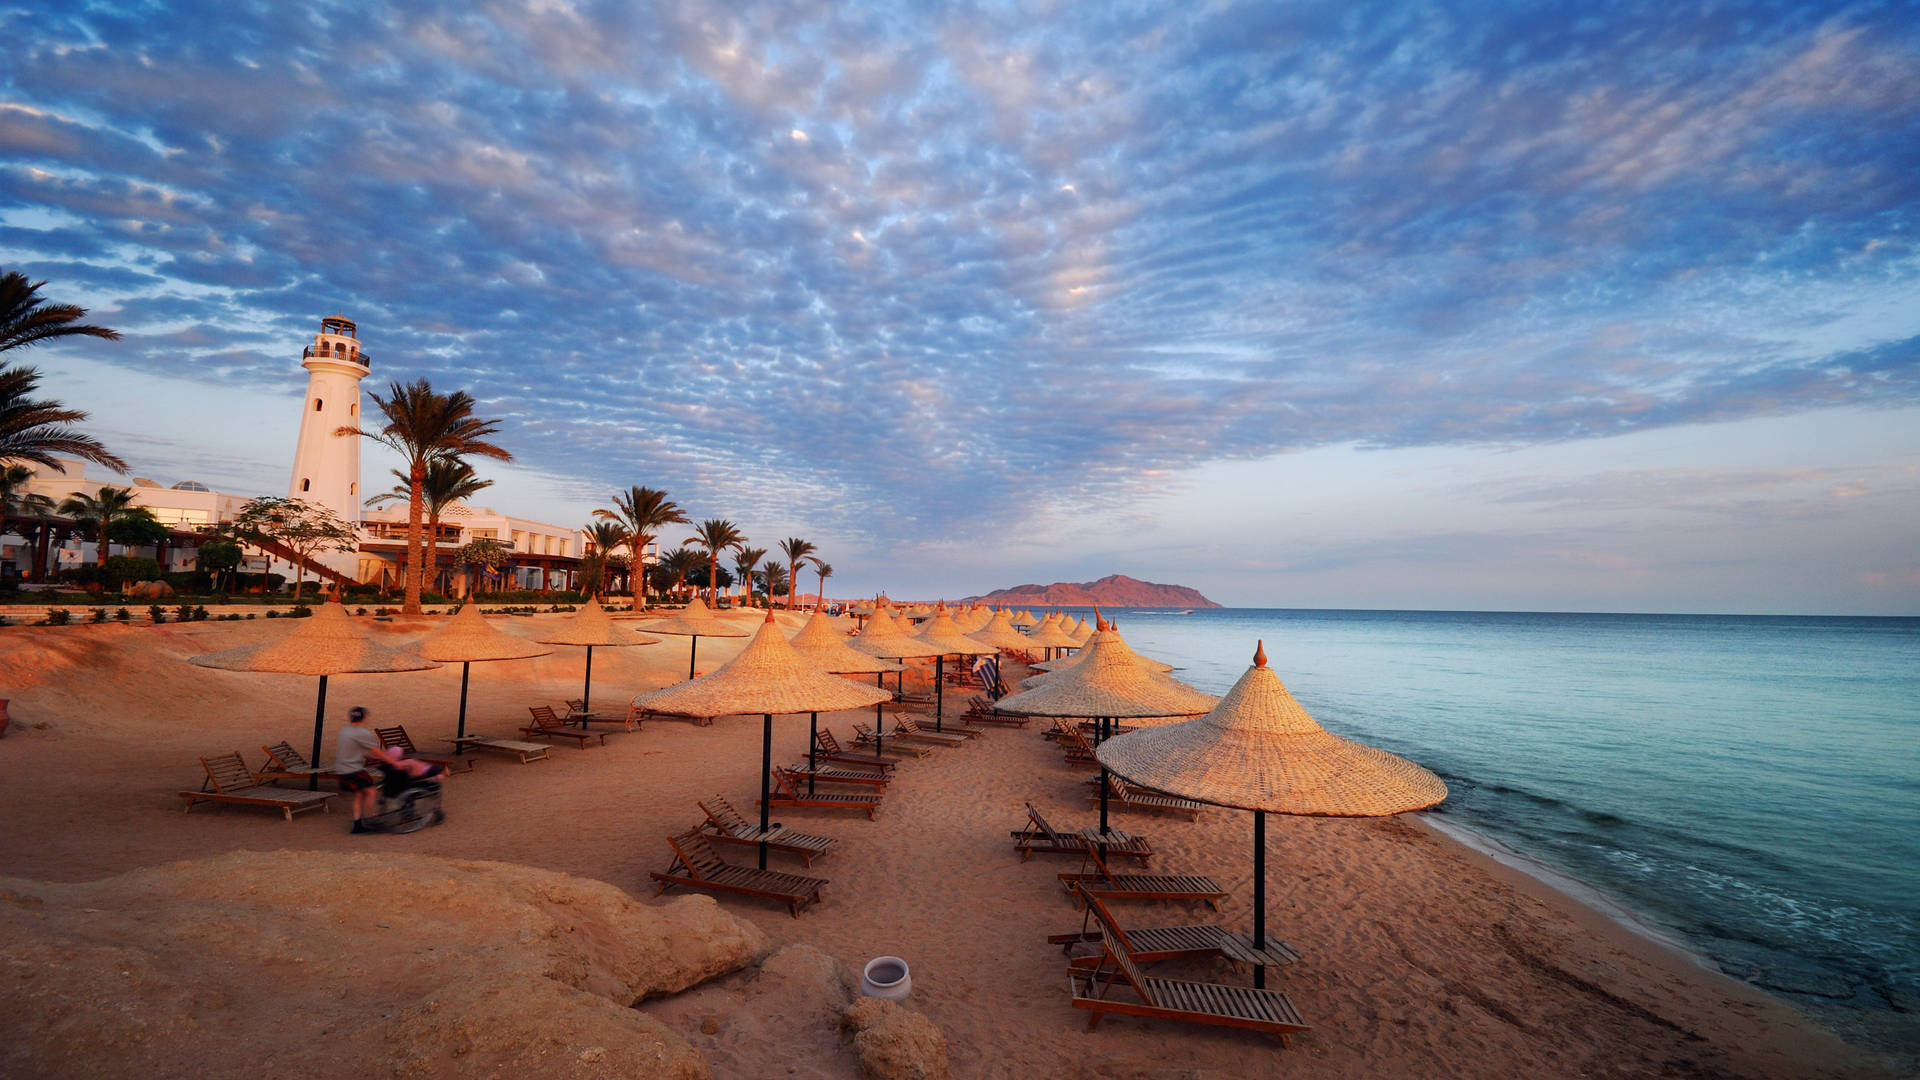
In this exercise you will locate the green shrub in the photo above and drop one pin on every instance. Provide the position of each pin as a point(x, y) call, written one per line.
point(271, 614)
point(157, 613)
point(122, 570)
point(122, 615)
point(252, 615)
point(300, 611)
point(183, 613)
point(189, 581)
point(99, 614)
point(58, 616)
point(363, 588)
point(359, 611)
point(200, 613)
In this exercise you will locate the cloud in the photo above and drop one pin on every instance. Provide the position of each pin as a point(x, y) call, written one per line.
point(945, 269)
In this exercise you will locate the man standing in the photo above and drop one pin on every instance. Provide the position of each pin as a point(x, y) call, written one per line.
point(356, 744)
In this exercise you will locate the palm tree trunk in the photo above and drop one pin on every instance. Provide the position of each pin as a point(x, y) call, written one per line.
point(418, 476)
point(713, 578)
point(793, 583)
point(433, 551)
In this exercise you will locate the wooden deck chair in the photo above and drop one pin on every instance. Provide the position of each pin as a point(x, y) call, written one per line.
point(1148, 945)
point(285, 763)
point(547, 725)
point(788, 793)
point(577, 714)
point(951, 726)
point(1218, 1004)
point(1074, 745)
point(695, 866)
point(724, 824)
point(907, 727)
point(1104, 884)
point(229, 781)
point(1131, 798)
point(980, 711)
point(836, 774)
point(830, 750)
point(396, 738)
point(1039, 838)
point(525, 751)
point(864, 735)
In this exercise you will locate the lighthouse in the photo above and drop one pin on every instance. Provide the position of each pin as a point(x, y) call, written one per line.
point(326, 466)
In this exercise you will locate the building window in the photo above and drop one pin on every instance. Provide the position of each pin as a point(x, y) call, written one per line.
point(353, 488)
point(317, 403)
point(305, 484)
point(353, 410)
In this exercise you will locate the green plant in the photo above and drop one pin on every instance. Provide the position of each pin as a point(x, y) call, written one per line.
point(183, 613)
point(122, 615)
point(58, 616)
point(271, 614)
point(157, 613)
point(121, 570)
point(99, 615)
point(300, 611)
point(359, 611)
point(251, 615)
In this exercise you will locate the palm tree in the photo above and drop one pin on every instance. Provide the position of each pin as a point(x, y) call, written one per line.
point(745, 562)
point(97, 513)
point(25, 512)
point(795, 549)
point(714, 536)
point(675, 566)
point(424, 426)
point(774, 576)
point(35, 430)
point(605, 536)
point(26, 319)
point(448, 481)
point(644, 511)
point(825, 570)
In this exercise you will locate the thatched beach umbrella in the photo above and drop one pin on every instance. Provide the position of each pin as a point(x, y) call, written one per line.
point(695, 621)
point(820, 644)
point(1081, 631)
point(1049, 636)
point(999, 633)
point(326, 644)
point(1258, 750)
point(469, 638)
point(941, 633)
point(882, 637)
point(592, 627)
point(1108, 685)
point(767, 677)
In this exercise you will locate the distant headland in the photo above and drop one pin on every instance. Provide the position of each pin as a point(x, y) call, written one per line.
point(1114, 590)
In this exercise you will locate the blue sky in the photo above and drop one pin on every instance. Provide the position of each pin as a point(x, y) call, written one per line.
point(1322, 305)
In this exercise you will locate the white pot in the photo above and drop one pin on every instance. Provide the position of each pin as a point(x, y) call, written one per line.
point(886, 977)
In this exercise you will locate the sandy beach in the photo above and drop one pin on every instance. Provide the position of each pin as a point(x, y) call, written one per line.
point(1421, 956)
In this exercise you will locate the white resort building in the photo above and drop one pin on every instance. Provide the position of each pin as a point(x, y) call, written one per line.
point(326, 471)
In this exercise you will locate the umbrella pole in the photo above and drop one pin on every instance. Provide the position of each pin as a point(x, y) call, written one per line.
point(939, 689)
point(879, 720)
point(691, 654)
point(1260, 894)
point(813, 748)
point(319, 721)
point(461, 747)
point(766, 772)
point(586, 692)
point(1100, 736)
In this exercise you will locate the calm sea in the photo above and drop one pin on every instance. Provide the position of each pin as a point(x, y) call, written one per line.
point(1749, 785)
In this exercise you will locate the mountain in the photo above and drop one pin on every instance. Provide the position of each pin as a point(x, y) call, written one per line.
point(1114, 590)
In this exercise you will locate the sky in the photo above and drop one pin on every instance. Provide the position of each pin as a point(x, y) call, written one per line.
point(1563, 307)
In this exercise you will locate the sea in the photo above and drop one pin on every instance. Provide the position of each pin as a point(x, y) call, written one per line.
point(1746, 786)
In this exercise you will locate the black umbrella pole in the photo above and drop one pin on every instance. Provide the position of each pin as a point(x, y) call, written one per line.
point(465, 667)
point(813, 748)
point(319, 721)
point(1099, 734)
point(691, 654)
point(586, 691)
point(1260, 894)
point(766, 772)
point(939, 689)
point(879, 719)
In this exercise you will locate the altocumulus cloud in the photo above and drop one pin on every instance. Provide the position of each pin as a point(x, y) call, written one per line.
point(948, 261)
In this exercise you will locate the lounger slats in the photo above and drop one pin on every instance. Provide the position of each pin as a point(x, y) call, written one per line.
point(232, 782)
point(725, 824)
point(705, 871)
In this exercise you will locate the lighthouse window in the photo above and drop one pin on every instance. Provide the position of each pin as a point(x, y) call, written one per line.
point(353, 410)
point(305, 484)
point(317, 403)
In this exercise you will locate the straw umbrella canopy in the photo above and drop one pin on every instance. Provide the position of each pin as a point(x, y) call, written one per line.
point(695, 621)
point(941, 633)
point(1259, 750)
point(1000, 634)
point(820, 644)
point(1108, 685)
point(593, 627)
point(469, 638)
point(768, 677)
point(1081, 632)
point(882, 637)
point(326, 644)
point(1048, 635)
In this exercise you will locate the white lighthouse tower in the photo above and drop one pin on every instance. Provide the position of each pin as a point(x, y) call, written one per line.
point(326, 466)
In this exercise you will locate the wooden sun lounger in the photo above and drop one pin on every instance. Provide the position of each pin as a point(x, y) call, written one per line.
point(1148, 945)
point(1039, 838)
point(577, 714)
point(906, 727)
point(830, 750)
point(1104, 884)
point(829, 774)
point(1130, 798)
point(396, 738)
point(786, 793)
point(952, 725)
point(231, 782)
point(547, 725)
point(525, 751)
point(285, 763)
point(725, 825)
point(700, 868)
point(980, 711)
point(1175, 999)
point(903, 746)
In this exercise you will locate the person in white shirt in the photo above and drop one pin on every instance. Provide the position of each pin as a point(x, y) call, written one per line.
point(356, 745)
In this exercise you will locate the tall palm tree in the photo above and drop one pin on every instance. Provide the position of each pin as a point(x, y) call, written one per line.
point(795, 549)
point(26, 319)
point(25, 512)
point(714, 536)
point(825, 570)
point(97, 513)
point(644, 511)
point(605, 536)
point(425, 426)
point(774, 577)
point(36, 430)
point(448, 481)
point(745, 562)
point(675, 566)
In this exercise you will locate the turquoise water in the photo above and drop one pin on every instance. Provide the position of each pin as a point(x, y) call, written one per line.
point(1748, 784)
